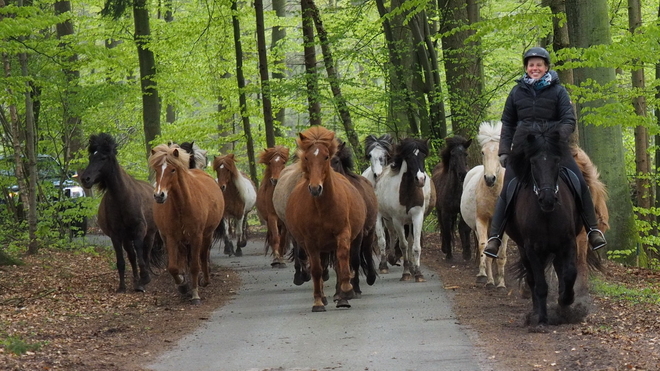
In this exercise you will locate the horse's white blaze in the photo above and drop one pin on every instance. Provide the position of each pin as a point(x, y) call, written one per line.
point(160, 181)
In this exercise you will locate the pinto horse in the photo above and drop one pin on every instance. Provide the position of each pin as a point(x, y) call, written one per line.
point(379, 153)
point(125, 213)
point(240, 197)
point(545, 220)
point(275, 159)
point(481, 188)
point(448, 178)
point(325, 213)
point(188, 210)
point(404, 194)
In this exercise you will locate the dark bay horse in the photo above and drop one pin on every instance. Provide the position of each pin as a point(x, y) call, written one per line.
point(325, 213)
point(188, 210)
point(448, 178)
point(275, 159)
point(404, 194)
point(240, 197)
point(126, 211)
point(545, 220)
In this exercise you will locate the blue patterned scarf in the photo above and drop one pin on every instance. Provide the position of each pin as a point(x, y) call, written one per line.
point(539, 84)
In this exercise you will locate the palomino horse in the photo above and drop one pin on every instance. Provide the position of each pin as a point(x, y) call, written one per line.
point(188, 210)
point(126, 211)
point(275, 159)
point(481, 188)
point(325, 213)
point(404, 192)
point(448, 178)
point(240, 197)
point(545, 220)
point(379, 153)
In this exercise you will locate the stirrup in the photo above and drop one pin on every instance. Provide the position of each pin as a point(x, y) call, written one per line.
point(602, 236)
point(492, 254)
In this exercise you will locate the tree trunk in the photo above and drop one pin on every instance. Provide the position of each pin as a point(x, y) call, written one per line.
point(240, 79)
point(170, 111)
point(333, 78)
point(150, 99)
point(401, 105)
point(463, 67)
point(588, 25)
point(278, 33)
point(311, 76)
point(263, 73)
point(560, 38)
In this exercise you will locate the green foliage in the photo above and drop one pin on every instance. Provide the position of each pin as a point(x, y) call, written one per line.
point(647, 295)
point(18, 346)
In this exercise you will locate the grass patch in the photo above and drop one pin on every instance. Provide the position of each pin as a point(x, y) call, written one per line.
point(18, 346)
point(647, 295)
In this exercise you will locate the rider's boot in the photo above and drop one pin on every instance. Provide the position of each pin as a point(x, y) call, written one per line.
point(594, 235)
point(496, 230)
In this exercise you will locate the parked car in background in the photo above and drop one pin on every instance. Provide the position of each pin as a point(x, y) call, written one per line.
point(56, 189)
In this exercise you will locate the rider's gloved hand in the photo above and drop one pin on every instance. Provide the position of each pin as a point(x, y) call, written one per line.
point(503, 159)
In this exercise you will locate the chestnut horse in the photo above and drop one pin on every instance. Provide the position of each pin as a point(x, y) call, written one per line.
point(188, 210)
point(325, 213)
point(125, 213)
point(240, 197)
point(481, 188)
point(275, 159)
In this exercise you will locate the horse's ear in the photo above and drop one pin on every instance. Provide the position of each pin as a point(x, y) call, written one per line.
point(175, 153)
point(467, 144)
point(231, 156)
point(153, 152)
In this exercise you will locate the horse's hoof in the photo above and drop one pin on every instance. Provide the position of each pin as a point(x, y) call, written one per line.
point(348, 295)
point(240, 244)
point(358, 295)
point(298, 280)
point(538, 329)
point(490, 286)
point(501, 288)
point(392, 260)
point(371, 279)
point(419, 278)
point(277, 264)
point(482, 279)
point(318, 308)
point(238, 252)
point(145, 279)
point(326, 275)
point(343, 303)
point(324, 300)
point(139, 289)
point(195, 301)
point(449, 256)
point(406, 277)
point(183, 289)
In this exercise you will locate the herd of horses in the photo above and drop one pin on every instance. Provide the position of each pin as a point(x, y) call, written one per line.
point(335, 218)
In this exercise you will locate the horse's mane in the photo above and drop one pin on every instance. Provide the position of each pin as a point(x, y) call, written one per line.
point(229, 162)
point(345, 157)
point(489, 131)
point(406, 148)
point(172, 154)
point(270, 153)
point(451, 143)
point(105, 144)
point(532, 138)
point(384, 141)
point(314, 135)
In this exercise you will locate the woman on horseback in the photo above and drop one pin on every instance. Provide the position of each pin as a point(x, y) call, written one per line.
point(538, 97)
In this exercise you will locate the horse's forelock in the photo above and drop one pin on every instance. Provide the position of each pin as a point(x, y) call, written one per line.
point(489, 131)
point(407, 149)
point(531, 139)
point(228, 161)
point(165, 152)
point(102, 142)
point(318, 135)
point(268, 154)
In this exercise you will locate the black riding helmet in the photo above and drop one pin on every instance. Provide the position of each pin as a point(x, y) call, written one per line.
point(536, 52)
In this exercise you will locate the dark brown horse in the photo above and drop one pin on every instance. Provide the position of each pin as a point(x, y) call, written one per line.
point(240, 197)
point(325, 213)
point(448, 178)
point(275, 159)
point(188, 210)
point(126, 211)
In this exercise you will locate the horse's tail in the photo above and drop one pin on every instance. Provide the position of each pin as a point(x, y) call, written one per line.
point(158, 256)
point(219, 232)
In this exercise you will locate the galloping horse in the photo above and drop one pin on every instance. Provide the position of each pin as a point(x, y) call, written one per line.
point(240, 197)
point(379, 153)
point(126, 211)
point(545, 219)
point(481, 188)
point(404, 192)
point(275, 159)
point(448, 178)
point(188, 210)
point(325, 213)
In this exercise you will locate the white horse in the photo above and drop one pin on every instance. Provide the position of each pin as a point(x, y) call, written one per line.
point(481, 188)
point(403, 191)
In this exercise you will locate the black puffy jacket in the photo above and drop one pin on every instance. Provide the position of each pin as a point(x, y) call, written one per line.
point(524, 104)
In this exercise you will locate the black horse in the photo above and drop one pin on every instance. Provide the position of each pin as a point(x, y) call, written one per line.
point(125, 213)
point(545, 220)
point(448, 178)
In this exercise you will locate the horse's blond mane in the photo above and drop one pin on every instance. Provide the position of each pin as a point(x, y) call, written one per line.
point(317, 135)
point(489, 131)
point(270, 153)
point(165, 152)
